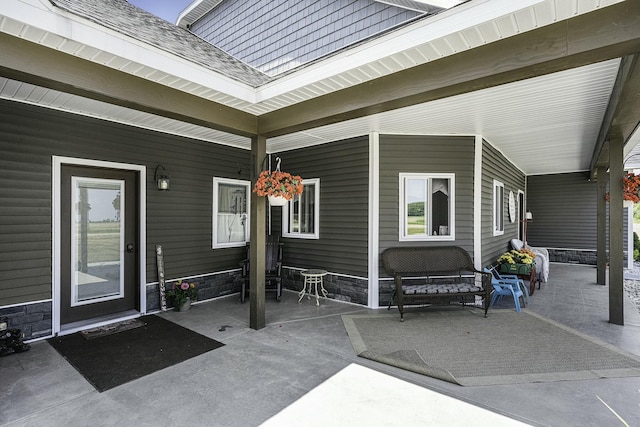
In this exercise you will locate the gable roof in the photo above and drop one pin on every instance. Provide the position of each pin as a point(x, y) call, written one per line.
point(198, 8)
point(129, 20)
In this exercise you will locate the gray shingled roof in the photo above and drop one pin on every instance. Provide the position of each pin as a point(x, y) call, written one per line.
point(134, 22)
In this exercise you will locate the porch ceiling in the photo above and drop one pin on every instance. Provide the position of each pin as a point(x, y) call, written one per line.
point(547, 124)
point(544, 124)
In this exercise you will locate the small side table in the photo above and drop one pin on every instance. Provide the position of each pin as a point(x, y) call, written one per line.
point(313, 278)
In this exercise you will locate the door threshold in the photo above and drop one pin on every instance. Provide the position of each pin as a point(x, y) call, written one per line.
point(96, 322)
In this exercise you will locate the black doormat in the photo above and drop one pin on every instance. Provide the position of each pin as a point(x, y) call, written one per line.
point(115, 359)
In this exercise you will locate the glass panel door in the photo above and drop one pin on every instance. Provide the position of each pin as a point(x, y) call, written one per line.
point(97, 240)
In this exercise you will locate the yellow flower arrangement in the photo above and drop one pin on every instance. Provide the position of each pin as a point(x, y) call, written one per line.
point(523, 256)
point(278, 183)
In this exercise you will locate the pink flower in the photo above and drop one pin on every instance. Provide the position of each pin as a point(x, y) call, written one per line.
point(184, 286)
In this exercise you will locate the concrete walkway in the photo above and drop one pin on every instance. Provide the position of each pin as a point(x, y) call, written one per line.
point(258, 374)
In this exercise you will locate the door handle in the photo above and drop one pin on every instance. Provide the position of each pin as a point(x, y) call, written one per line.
point(130, 247)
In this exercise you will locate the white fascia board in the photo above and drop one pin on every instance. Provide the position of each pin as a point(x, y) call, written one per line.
point(40, 15)
point(186, 11)
point(196, 10)
point(446, 4)
point(424, 31)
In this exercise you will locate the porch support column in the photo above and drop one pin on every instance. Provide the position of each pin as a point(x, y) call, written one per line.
point(258, 239)
point(616, 288)
point(601, 248)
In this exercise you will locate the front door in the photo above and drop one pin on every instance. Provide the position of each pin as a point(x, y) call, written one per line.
point(99, 243)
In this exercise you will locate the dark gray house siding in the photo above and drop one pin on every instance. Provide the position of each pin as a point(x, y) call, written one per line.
point(277, 35)
point(342, 249)
point(423, 154)
point(180, 219)
point(564, 216)
point(496, 166)
point(426, 154)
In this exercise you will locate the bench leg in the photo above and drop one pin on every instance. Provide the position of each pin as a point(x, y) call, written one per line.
point(401, 309)
point(393, 295)
point(244, 290)
point(400, 302)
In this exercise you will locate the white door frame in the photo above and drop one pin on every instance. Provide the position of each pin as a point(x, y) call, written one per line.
point(521, 213)
point(373, 300)
point(58, 162)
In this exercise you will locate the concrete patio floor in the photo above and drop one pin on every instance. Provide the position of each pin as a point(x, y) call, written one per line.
point(257, 374)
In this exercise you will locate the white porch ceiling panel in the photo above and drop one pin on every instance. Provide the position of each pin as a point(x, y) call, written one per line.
point(544, 125)
point(547, 124)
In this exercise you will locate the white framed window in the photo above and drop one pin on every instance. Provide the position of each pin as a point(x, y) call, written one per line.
point(301, 215)
point(231, 206)
point(427, 206)
point(498, 208)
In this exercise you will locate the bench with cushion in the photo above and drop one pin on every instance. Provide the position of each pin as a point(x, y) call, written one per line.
point(435, 274)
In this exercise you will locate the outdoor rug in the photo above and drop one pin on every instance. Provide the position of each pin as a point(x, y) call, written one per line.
point(115, 359)
point(463, 347)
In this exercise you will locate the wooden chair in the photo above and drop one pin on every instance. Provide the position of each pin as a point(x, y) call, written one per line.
point(272, 266)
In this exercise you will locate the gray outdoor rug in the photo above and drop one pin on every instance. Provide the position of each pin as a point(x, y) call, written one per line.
point(463, 347)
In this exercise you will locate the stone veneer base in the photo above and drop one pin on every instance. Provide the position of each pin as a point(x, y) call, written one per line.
point(35, 319)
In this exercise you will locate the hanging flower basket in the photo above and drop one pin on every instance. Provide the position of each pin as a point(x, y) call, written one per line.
point(277, 200)
point(630, 188)
point(278, 184)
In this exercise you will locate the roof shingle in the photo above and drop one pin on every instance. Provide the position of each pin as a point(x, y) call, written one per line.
point(134, 22)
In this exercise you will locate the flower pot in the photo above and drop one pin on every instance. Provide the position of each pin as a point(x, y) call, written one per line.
point(277, 201)
point(184, 307)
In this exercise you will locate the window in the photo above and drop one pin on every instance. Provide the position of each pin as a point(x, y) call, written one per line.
point(230, 212)
point(498, 208)
point(427, 206)
point(301, 216)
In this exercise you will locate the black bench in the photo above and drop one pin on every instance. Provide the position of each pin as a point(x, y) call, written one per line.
point(428, 274)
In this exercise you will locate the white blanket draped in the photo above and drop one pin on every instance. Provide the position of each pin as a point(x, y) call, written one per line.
point(542, 258)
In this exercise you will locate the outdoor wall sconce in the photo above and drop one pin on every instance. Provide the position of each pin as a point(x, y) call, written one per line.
point(528, 217)
point(161, 178)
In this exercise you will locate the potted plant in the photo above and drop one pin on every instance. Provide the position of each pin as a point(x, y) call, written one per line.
point(183, 293)
point(278, 186)
point(517, 261)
